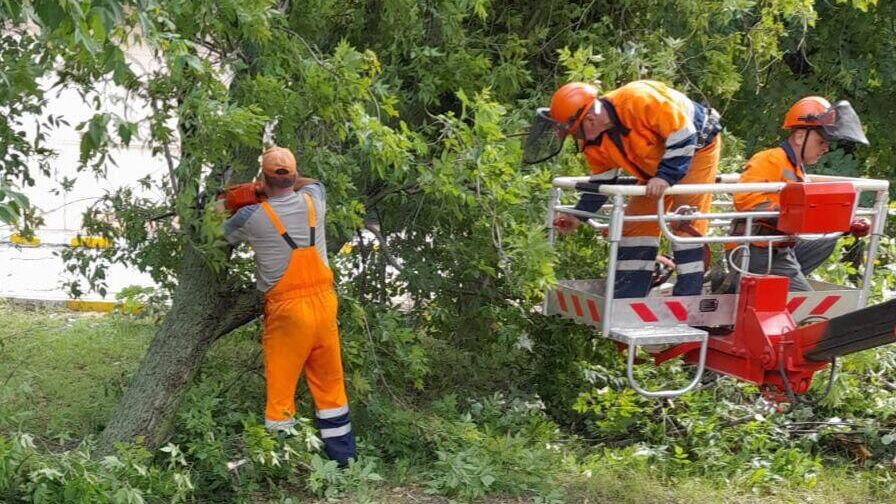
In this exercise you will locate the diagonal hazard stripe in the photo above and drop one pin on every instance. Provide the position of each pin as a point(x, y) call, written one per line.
point(825, 305)
point(592, 307)
point(642, 311)
point(576, 305)
point(677, 309)
point(795, 303)
point(561, 300)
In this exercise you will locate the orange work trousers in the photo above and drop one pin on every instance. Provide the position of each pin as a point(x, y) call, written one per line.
point(640, 240)
point(703, 170)
point(300, 332)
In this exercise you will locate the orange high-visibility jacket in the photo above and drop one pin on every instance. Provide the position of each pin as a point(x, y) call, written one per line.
point(656, 131)
point(771, 165)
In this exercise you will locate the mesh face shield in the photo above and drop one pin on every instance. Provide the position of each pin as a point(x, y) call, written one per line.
point(545, 138)
point(841, 123)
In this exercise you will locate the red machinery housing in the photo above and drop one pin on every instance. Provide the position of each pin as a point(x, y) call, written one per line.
point(816, 208)
point(240, 195)
point(249, 193)
point(765, 347)
point(768, 349)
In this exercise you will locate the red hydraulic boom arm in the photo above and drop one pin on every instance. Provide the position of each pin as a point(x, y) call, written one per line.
point(766, 346)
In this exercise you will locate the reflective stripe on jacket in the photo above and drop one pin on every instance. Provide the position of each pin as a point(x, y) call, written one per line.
point(656, 131)
point(772, 165)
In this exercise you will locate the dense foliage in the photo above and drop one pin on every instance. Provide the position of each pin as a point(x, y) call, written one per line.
point(408, 111)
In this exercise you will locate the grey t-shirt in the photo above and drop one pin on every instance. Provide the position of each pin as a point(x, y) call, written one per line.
point(272, 253)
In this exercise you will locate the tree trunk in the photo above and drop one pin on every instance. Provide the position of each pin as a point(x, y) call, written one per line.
point(203, 310)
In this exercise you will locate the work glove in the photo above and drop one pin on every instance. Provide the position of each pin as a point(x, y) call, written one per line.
point(860, 228)
point(565, 224)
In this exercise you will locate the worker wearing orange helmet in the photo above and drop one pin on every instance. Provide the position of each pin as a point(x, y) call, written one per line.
point(813, 124)
point(658, 135)
point(286, 232)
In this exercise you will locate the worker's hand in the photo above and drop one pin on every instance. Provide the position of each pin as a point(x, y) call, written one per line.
point(302, 182)
point(656, 187)
point(566, 224)
point(860, 228)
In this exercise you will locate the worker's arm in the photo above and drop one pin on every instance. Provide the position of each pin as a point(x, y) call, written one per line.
point(761, 168)
point(591, 202)
point(314, 188)
point(235, 227)
point(304, 181)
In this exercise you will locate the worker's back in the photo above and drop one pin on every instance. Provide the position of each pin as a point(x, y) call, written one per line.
point(778, 164)
point(659, 131)
point(272, 252)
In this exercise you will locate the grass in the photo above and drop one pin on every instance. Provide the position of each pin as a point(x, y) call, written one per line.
point(61, 374)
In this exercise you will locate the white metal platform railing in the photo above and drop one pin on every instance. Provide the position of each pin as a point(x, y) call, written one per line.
point(638, 321)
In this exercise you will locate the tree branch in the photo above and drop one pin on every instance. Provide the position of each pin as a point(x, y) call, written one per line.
point(245, 306)
point(374, 229)
point(373, 200)
point(169, 159)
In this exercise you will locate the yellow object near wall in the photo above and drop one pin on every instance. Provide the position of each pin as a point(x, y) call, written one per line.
point(90, 306)
point(90, 242)
point(21, 241)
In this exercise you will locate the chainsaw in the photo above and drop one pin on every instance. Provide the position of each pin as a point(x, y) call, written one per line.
point(235, 197)
point(251, 193)
point(240, 195)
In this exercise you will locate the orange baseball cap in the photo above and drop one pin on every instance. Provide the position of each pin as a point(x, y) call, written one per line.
point(277, 162)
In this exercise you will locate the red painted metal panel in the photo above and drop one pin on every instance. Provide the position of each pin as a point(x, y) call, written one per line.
point(824, 207)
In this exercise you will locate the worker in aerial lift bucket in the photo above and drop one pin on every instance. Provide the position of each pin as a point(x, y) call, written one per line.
point(813, 124)
point(656, 134)
point(286, 232)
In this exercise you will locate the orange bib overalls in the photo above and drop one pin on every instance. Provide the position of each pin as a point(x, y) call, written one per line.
point(300, 331)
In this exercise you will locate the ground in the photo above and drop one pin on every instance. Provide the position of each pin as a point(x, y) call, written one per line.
point(61, 373)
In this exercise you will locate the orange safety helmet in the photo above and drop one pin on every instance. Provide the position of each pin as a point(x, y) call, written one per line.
point(570, 102)
point(807, 113)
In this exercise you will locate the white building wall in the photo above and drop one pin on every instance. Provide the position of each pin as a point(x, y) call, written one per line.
point(38, 273)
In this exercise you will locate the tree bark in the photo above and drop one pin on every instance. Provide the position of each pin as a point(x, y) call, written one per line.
point(203, 310)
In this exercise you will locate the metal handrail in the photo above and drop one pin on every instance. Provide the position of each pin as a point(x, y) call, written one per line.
point(698, 374)
point(720, 219)
point(734, 187)
point(613, 220)
point(661, 220)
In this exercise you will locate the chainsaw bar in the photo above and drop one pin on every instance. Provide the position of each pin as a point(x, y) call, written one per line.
point(856, 331)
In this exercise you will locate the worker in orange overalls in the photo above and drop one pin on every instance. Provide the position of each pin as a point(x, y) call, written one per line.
point(656, 134)
point(286, 233)
point(813, 124)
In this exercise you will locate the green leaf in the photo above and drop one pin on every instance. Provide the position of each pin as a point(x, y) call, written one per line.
point(97, 26)
point(126, 131)
point(7, 215)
